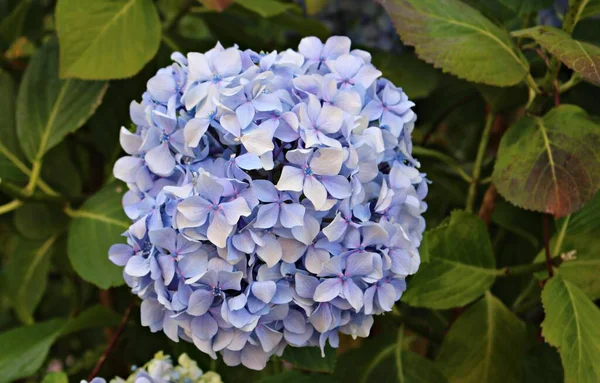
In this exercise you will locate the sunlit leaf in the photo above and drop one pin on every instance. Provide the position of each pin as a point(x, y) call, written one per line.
point(457, 264)
point(106, 39)
point(485, 344)
point(453, 36)
point(571, 325)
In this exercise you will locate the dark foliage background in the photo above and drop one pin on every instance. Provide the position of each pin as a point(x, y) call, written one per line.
point(508, 133)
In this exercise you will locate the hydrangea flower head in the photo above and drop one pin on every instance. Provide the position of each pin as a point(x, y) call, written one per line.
point(161, 370)
point(274, 198)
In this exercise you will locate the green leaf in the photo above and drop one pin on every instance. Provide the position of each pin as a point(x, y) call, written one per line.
point(485, 344)
point(542, 365)
point(309, 358)
point(39, 221)
point(106, 39)
point(584, 269)
point(453, 36)
point(523, 7)
point(24, 349)
point(93, 317)
point(502, 99)
point(9, 144)
point(297, 377)
point(12, 26)
point(314, 6)
point(550, 164)
point(458, 264)
point(376, 361)
point(417, 78)
point(585, 220)
point(49, 108)
point(266, 8)
point(27, 275)
point(592, 8)
point(583, 58)
point(60, 172)
point(96, 226)
point(56, 377)
point(571, 325)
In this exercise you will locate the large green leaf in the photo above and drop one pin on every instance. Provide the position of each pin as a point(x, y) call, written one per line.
point(523, 7)
point(458, 264)
point(39, 221)
point(592, 8)
point(571, 325)
point(583, 58)
point(383, 359)
point(460, 40)
point(550, 164)
point(485, 344)
point(266, 8)
point(27, 275)
point(578, 235)
point(106, 39)
point(9, 145)
point(309, 358)
point(93, 317)
point(49, 108)
point(417, 78)
point(56, 377)
point(96, 226)
point(24, 349)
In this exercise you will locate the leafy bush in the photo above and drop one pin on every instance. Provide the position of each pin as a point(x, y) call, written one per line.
point(508, 132)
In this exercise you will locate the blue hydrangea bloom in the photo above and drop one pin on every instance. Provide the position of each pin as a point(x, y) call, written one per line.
point(274, 198)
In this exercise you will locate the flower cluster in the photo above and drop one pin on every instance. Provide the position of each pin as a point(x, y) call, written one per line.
point(161, 370)
point(274, 198)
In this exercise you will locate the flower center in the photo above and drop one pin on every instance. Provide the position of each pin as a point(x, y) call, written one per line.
point(164, 137)
point(308, 171)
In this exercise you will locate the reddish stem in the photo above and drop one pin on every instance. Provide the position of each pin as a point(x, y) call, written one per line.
point(547, 246)
point(113, 341)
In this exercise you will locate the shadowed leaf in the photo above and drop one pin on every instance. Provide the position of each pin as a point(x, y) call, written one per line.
point(485, 344)
point(583, 58)
point(550, 164)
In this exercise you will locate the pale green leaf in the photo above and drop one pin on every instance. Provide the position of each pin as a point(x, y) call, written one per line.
point(24, 349)
point(583, 58)
point(485, 344)
point(56, 377)
point(571, 325)
point(49, 108)
point(27, 275)
point(266, 8)
point(106, 39)
point(457, 264)
point(544, 167)
point(458, 39)
point(97, 225)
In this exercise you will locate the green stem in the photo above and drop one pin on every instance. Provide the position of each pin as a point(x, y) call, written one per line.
point(33, 178)
point(8, 207)
point(483, 143)
point(16, 192)
point(170, 43)
point(528, 269)
point(424, 152)
point(561, 236)
point(548, 83)
point(25, 170)
point(574, 80)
